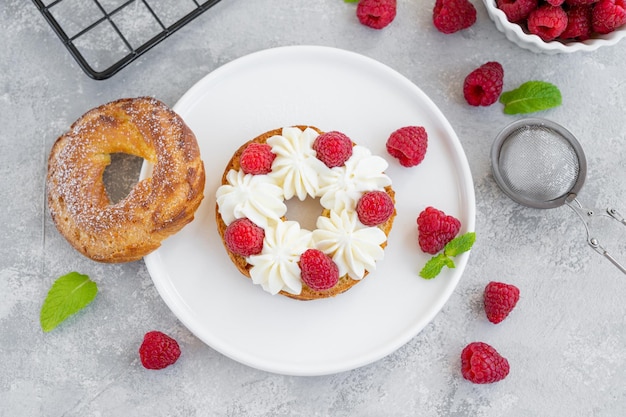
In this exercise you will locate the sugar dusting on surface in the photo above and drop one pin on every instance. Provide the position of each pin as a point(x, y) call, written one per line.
point(77, 194)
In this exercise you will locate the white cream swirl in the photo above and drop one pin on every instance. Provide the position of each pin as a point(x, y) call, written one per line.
point(296, 168)
point(256, 197)
point(276, 267)
point(343, 186)
point(354, 247)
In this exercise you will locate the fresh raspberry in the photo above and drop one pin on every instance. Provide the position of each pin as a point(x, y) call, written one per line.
point(547, 22)
point(244, 238)
point(450, 16)
point(608, 15)
point(374, 208)
point(578, 23)
point(482, 364)
point(483, 86)
point(333, 148)
point(499, 300)
point(580, 2)
point(158, 350)
point(555, 2)
point(517, 10)
point(257, 159)
point(436, 229)
point(376, 13)
point(318, 270)
point(408, 144)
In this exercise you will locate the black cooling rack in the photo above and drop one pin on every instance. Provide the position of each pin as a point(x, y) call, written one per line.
point(104, 36)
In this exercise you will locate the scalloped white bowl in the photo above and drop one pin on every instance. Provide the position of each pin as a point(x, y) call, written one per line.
point(516, 34)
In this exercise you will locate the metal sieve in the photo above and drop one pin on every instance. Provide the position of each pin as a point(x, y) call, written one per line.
point(540, 164)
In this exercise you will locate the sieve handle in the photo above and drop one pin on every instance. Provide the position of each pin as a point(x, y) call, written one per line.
point(584, 214)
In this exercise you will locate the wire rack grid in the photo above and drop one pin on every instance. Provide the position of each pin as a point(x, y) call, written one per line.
point(104, 36)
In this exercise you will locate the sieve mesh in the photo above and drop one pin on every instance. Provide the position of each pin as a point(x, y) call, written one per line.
point(538, 163)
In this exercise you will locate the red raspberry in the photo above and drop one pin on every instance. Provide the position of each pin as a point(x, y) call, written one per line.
point(257, 159)
point(547, 22)
point(450, 16)
point(318, 270)
point(244, 238)
point(376, 13)
point(608, 15)
point(517, 10)
point(578, 23)
point(436, 229)
point(555, 2)
point(408, 144)
point(483, 86)
point(333, 148)
point(580, 2)
point(374, 208)
point(158, 350)
point(482, 364)
point(499, 300)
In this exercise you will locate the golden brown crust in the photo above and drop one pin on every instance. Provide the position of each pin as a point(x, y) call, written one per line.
point(345, 282)
point(155, 208)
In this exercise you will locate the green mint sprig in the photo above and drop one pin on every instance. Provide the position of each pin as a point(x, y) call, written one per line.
point(68, 295)
point(351, 1)
point(454, 248)
point(530, 97)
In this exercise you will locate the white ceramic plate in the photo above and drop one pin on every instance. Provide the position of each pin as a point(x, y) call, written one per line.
point(333, 90)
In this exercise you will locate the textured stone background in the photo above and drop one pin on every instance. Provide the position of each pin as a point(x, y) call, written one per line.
point(566, 341)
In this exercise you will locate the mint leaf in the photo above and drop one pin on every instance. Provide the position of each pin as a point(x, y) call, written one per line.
point(455, 247)
point(351, 1)
point(68, 295)
point(434, 266)
point(460, 244)
point(532, 96)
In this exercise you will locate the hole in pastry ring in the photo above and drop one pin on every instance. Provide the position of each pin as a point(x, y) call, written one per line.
point(307, 293)
point(155, 208)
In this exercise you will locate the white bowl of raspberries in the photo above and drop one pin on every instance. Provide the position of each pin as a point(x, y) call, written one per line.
point(559, 26)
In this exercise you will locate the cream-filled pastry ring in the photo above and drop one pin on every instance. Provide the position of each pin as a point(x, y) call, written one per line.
point(296, 171)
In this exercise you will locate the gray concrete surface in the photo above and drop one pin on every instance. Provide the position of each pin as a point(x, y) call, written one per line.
point(566, 340)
